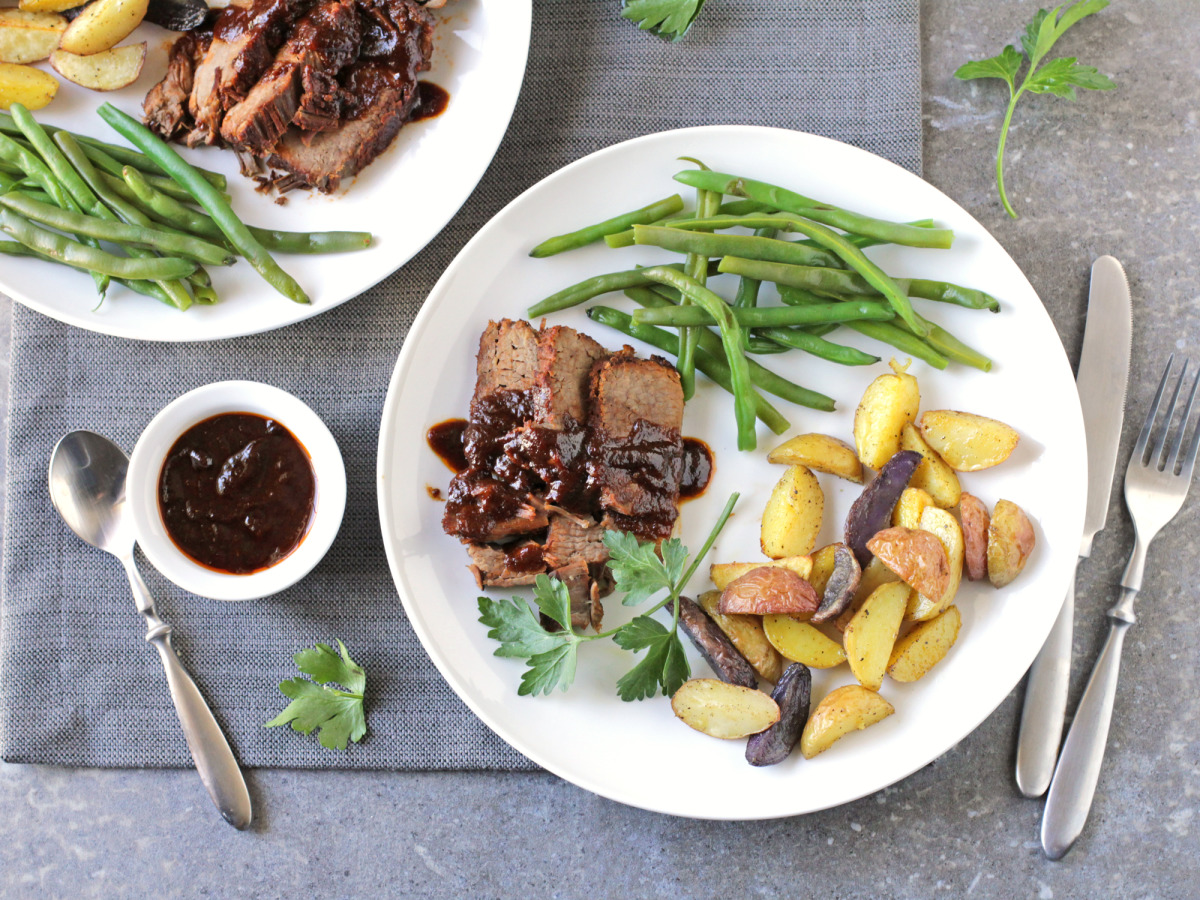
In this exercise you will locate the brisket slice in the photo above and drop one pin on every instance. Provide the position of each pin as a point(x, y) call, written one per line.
point(245, 38)
point(166, 104)
point(565, 360)
point(508, 566)
point(586, 609)
point(573, 538)
point(324, 41)
point(636, 461)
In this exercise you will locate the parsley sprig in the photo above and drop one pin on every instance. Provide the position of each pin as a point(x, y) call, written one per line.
point(669, 19)
point(1059, 77)
point(640, 570)
point(337, 713)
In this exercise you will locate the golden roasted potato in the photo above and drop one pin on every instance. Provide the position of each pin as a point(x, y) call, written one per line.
point(872, 632)
point(918, 557)
point(933, 475)
point(967, 442)
point(820, 452)
point(846, 709)
point(747, 634)
point(925, 604)
point(909, 507)
point(108, 70)
point(722, 574)
point(975, 521)
point(823, 561)
point(889, 403)
point(27, 37)
point(48, 5)
point(875, 574)
point(724, 710)
point(925, 645)
point(103, 24)
point(767, 590)
point(30, 87)
point(1010, 542)
point(792, 519)
point(803, 643)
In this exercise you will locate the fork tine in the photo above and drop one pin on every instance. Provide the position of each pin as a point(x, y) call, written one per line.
point(1177, 444)
point(1157, 455)
point(1139, 449)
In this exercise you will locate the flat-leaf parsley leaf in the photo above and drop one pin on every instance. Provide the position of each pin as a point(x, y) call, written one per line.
point(669, 19)
point(337, 713)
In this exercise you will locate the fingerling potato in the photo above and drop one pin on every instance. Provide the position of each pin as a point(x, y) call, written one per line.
point(30, 87)
point(925, 604)
point(724, 710)
point(802, 643)
point(108, 70)
point(769, 589)
point(722, 574)
point(875, 574)
point(933, 475)
point(714, 645)
point(792, 519)
point(872, 511)
point(841, 585)
point(103, 24)
point(747, 635)
point(27, 37)
point(925, 645)
point(820, 452)
point(1010, 542)
point(844, 710)
point(975, 522)
point(48, 5)
point(917, 556)
point(967, 442)
point(872, 632)
point(889, 403)
point(910, 506)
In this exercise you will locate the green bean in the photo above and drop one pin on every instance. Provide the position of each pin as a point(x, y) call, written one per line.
point(593, 233)
point(761, 346)
point(107, 163)
point(826, 214)
point(759, 375)
point(811, 278)
point(744, 208)
point(902, 340)
point(202, 288)
point(7, 183)
point(767, 317)
point(123, 154)
point(945, 292)
point(748, 288)
point(170, 211)
point(149, 288)
point(863, 243)
point(708, 203)
point(208, 197)
point(712, 366)
point(172, 244)
point(953, 349)
point(849, 284)
point(732, 208)
point(786, 338)
point(593, 287)
point(740, 245)
point(81, 256)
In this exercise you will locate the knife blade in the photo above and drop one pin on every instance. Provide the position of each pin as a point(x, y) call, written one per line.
point(1101, 380)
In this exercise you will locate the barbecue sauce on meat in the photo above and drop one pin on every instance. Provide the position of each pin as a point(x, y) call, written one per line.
point(697, 468)
point(237, 492)
point(431, 101)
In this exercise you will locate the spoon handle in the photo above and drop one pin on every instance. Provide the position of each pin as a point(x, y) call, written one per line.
point(214, 759)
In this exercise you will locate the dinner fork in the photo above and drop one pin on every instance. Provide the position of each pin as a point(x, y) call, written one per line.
point(1156, 483)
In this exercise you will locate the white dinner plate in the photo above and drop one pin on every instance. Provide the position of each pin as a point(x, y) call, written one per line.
point(639, 753)
point(405, 197)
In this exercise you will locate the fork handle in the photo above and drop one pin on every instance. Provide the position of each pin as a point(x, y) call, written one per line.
point(1075, 778)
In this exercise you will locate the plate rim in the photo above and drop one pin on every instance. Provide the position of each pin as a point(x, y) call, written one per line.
point(386, 440)
point(301, 312)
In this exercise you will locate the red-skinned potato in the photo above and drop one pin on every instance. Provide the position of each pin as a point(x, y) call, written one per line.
point(1010, 542)
point(769, 590)
point(918, 557)
point(975, 522)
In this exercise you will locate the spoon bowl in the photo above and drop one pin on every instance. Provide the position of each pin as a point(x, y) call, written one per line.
point(87, 487)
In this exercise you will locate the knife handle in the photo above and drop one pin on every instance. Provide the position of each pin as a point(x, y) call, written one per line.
point(1078, 771)
point(1045, 705)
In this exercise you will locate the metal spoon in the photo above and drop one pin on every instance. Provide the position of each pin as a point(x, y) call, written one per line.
point(87, 487)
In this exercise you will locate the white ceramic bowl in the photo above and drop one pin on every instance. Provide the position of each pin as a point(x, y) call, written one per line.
point(195, 406)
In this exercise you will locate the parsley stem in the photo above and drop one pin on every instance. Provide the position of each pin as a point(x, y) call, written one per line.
point(1014, 96)
point(712, 537)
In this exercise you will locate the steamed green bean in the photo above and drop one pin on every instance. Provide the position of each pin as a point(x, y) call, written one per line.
point(592, 233)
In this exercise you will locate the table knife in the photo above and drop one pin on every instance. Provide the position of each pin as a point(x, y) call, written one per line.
point(1101, 381)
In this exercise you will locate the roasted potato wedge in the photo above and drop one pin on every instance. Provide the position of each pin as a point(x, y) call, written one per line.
point(48, 5)
point(875, 574)
point(802, 643)
point(747, 635)
point(872, 511)
point(792, 519)
point(889, 403)
point(820, 452)
point(722, 574)
point(967, 442)
point(767, 590)
point(714, 645)
point(975, 521)
point(27, 36)
point(917, 556)
point(104, 24)
point(872, 632)
point(909, 507)
point(1010, 542)
point(823, 561)
point(933, 475)
point(925, 645)
point(792, 694)
point(26, 85)
point(840, 586)
point(925, 605)
point(846, 709)
point(108, 70)
point(724, 710)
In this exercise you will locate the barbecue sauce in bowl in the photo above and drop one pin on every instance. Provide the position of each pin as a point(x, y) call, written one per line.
point(237, 492)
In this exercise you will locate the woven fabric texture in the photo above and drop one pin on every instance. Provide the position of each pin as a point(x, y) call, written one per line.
point(78, 686)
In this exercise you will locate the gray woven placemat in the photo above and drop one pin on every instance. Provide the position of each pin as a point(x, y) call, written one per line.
point(77, 684)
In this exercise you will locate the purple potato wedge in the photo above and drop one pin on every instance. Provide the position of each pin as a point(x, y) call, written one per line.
point(872, 511)
point(841, 587)
point(793, 693)
point(718, 651)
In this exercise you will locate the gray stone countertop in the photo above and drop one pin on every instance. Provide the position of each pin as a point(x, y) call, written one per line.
point(1111, 173)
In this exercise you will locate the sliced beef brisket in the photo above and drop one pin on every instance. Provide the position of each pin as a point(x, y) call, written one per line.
point(166, 105)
